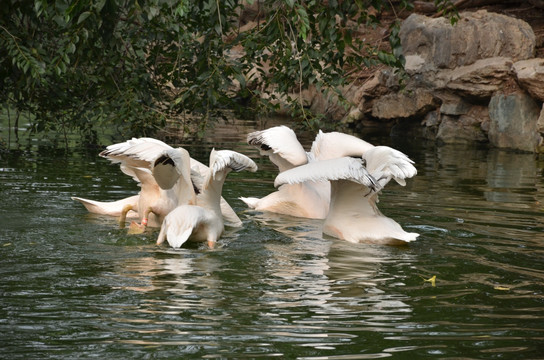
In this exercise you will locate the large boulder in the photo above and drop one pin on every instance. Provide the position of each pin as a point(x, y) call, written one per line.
point(530, 76)
point(466, 128)
point(404, 105)
point(514, 122)
point(479, 80)
point(434, 43)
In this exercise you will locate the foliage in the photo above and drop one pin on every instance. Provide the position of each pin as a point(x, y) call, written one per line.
point(127, 66)
point(448, 9)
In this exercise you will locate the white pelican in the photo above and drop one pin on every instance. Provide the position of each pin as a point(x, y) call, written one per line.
point(164, 174)
point(308, 199)
point(353, 214)
point(203, 222)
point(152, 163)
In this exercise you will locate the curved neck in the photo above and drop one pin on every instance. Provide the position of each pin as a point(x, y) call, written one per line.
point(210, 198)
point(185, 191)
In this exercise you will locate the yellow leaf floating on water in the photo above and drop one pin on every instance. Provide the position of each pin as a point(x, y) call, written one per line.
point(503, 288)
point(7, 244)
point(431, 280)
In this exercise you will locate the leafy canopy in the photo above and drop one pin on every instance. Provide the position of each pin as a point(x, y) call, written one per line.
point(130, 65)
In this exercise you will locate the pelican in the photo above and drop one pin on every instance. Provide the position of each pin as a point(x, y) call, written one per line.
point(203, 222)
point(355, 183)
point(164, 174)
point(158, 168)
point(308, 199)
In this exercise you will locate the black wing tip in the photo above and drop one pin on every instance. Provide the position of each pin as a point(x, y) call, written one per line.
point(164, 160)
point(258, 141)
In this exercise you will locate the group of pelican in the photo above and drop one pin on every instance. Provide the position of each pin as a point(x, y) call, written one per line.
point(338, 181)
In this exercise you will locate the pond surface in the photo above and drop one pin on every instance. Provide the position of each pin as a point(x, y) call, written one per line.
point(75, 286)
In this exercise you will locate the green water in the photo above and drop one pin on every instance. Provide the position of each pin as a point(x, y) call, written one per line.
point(73, 285)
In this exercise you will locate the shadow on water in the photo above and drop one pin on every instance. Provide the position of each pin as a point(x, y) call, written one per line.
point(75, 286)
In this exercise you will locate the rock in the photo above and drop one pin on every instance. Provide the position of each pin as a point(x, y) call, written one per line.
point(432, 119)
point(404, 105)
point(453, 105)
point(463, 129)
point(513, 122)
point(373, 87)
point(431, 122)
point(537, 3)
point(540, 121)
point(414, 63)
point(433, 43)
point(353, 116)
point(481, 79)
point(540, 131)
point(530, 76)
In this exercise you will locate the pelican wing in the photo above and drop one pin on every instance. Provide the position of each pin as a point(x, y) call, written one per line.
point(227, 159)
point(281, 145)
point(335, 145)
point(345, 168)
point(385, 163)
point(223, 161)
point(198, 176)
point(137, 152)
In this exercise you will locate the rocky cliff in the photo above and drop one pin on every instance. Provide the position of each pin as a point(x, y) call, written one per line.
point(475, 81)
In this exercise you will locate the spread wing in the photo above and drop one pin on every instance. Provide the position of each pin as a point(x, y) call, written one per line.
point(224, 161)
point(385, 163)
point(281, 145)
point(345, 168)
point(167, 164)
point(335, 145)
point(137, 152)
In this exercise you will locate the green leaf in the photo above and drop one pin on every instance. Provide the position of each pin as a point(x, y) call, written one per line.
point(99, 5)
point(241, 79)
point(71, 48)
point(83, 16)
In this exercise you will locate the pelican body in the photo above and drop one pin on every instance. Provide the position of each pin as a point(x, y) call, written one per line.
point(204, 221)
point(355, 182)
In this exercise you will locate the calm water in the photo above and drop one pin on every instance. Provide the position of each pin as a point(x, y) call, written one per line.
point(73, 285)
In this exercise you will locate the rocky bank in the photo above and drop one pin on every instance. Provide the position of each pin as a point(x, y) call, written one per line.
point(477, 81)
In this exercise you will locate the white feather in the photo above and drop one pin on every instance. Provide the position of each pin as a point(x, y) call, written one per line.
point(224, 161)
point(137, 152)
point(385, 163)
point(335, 145)
point(345, 168)
point(180, 224)
point(280, 143)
